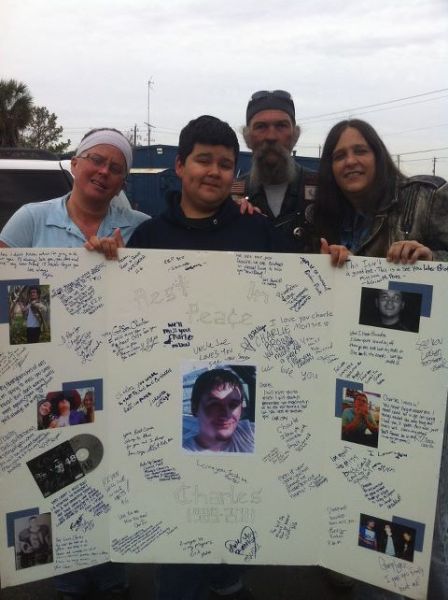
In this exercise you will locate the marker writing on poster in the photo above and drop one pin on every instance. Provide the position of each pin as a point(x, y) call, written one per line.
point(79, 297)
point(338, 524)
point(116, 487)
point(230, 317)
point(180, 262)
point(245, 545)
point(294, 434)
point(354, 371)
point(82, 343)
point(179, 288)
point(41, 262)
point(128, 339)
point(132, 263)
point(17, 445)
point(402, 576)
point(314, 320)
point(76, 551)
point(78, 498)
point(276, 456)
point(12, 359)
point(141, 392)
point(294, 296)
point(141, 539)
point(278, 405)
point(257, 294)
point(299, 480)
point(371, 271)
point(433, 353)
point(134, 518)
point(176, 335)
point(368, 272)
point(375, 344)
point(405, 422)
point(359, 470)
point(283, 527)
point(227, 473)
point(196, 547)
point(141, 440)
point(218, 350)
point(82, 524)
point(213, 515)
point(195, 495)
point(315, 276)
point(278, 344)
point(157, 470)
point(24, 389)
point(268, 269)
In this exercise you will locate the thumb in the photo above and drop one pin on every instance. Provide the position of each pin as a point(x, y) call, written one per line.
point(324, 247)
point(118, 238)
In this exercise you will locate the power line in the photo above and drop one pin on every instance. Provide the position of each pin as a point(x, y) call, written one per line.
point(418, 129)
point(410, 160)
point(357, 108)
point(422, 151)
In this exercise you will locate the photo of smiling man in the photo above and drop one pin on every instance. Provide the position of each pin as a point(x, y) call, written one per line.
point(390, 309)
point(218, 417)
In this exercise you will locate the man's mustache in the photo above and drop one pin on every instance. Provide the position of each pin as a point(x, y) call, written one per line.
point(269, 148)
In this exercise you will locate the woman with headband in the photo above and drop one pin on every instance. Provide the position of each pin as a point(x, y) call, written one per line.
point(102, 161)
point(100, 166)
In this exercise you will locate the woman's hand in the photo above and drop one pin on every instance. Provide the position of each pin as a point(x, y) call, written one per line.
point(408, 252)
point(339, 254)
point(106, 245)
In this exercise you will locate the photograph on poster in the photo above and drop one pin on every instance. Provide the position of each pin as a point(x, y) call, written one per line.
point(360, 419)
point(390, 309)
point(32, 541)
point(55, 469)
point(386, 537)
point(29, 314)
point(219, 409)
point(66, 408)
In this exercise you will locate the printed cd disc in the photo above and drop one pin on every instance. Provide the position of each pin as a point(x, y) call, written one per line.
point(88, 450)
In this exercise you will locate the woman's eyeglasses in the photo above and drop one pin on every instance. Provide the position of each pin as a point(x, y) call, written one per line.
point(101, 161)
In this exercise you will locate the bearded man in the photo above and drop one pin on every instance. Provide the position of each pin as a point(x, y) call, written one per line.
point(281, 188)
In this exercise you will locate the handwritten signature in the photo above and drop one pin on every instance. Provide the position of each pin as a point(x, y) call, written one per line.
point(245, 546)
point(82, 524)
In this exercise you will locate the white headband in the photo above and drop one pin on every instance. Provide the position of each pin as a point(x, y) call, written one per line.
point(111, 138)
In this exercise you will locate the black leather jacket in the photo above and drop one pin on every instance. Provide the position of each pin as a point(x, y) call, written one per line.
point(418, 211)
point(295, 217)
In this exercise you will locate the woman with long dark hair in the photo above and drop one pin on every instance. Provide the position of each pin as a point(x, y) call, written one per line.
point(365, 204)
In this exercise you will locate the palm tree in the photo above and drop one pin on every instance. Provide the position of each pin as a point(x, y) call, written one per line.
point(16, 105)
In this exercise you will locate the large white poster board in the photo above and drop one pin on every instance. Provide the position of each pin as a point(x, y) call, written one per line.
point(95, 416)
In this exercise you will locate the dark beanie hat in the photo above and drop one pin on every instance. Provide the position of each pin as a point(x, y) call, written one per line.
point(265, 100)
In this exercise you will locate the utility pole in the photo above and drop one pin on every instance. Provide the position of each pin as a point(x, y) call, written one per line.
point(398, 161)
point(148, 123)
point(434, 160)
point(135, 135)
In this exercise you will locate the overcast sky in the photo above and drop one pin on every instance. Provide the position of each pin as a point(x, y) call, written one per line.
point(89, 61)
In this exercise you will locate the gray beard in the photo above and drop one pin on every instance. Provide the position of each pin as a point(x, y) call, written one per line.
point(264, 173)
